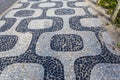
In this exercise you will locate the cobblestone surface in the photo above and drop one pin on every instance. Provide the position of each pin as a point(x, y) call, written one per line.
point(55, 40)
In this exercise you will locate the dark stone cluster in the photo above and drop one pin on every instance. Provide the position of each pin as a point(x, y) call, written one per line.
point(64, 11)
point(24, 13)
point(66, 42)
point(7, 42)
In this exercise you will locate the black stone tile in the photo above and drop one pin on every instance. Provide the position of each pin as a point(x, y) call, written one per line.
point(66, 42)
point(64, 11)
point(24, 13)
point(7, 42)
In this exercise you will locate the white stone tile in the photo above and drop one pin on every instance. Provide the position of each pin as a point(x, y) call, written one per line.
point(2, 23)
point(51, 12)
point(110, 43)
point(49, 4)
point(24, 1)
point(37, 12)
point(106, 71)
point(55, 0)
point(90, 22)
point(37, 1)
point(78, 4)
point(79, 12)
point(17, 6)
point(23, 71)
point(43, 0)
point(40, 24)
point(93, 12)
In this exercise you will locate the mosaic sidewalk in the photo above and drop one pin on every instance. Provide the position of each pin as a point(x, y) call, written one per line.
point(55, 40)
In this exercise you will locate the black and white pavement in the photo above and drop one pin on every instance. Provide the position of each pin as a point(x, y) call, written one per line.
point(55, 40)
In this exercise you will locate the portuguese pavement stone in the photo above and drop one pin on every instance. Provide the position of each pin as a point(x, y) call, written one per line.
point(55, 40)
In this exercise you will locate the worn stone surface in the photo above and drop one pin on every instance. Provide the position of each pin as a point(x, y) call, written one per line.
point(105, 71)
point(55, 40)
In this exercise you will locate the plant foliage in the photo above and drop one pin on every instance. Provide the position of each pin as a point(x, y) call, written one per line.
point(110, 6)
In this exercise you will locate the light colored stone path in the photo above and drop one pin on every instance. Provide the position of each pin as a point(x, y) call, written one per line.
point(55, 40)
